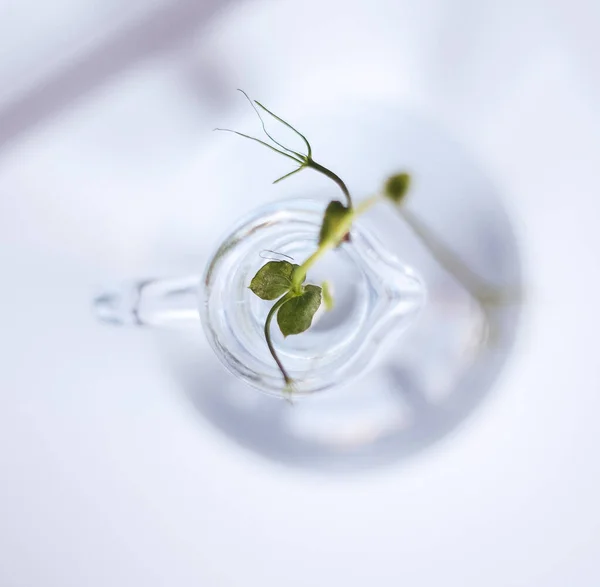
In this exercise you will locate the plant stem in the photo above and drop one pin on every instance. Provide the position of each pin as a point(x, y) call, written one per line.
point(300, 273)
point(332, 176)
point(366, 205)
point(241, 134)
point(362, 207)
point(272, 312)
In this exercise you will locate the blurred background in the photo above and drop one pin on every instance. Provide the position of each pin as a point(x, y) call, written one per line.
point(112, 474)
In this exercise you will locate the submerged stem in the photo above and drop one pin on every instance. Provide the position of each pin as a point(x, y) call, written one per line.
point(288, 380)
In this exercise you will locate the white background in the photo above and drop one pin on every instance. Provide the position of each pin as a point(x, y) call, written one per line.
point(108, 476)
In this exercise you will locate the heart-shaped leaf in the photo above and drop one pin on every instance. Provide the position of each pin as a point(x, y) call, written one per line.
point(296, 315)
point(273, 279)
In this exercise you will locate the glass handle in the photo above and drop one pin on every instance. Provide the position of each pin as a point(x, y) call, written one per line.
point(167, 303)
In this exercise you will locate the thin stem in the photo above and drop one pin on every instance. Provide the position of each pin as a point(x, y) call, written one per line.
point(331, 175)
point(300, 273)
point(262, 143)
point(366, 205)
point(265, 128)
point(289, 174)
point(288, 380)
point(343, 229)
point(308, 147)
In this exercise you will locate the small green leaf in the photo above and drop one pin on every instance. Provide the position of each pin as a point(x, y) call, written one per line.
point(396, 187)
point(273, 280)
point(296, 315)
point(334, 222)
point(327, 297)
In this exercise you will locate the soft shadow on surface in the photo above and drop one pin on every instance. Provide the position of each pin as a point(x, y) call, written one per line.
point(159, 31)
point(350, 429)
point(432, 379)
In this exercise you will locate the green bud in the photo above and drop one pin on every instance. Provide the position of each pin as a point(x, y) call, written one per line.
point(335, 223)
point(396, 187)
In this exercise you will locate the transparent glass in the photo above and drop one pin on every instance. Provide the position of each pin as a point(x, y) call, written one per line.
point(376, 298)
point(406, 355)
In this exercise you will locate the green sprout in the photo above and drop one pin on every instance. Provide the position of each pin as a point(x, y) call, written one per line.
point(304, 161)
point(297, 302)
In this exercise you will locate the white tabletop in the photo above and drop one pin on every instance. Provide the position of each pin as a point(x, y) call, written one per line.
point(110, 476)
